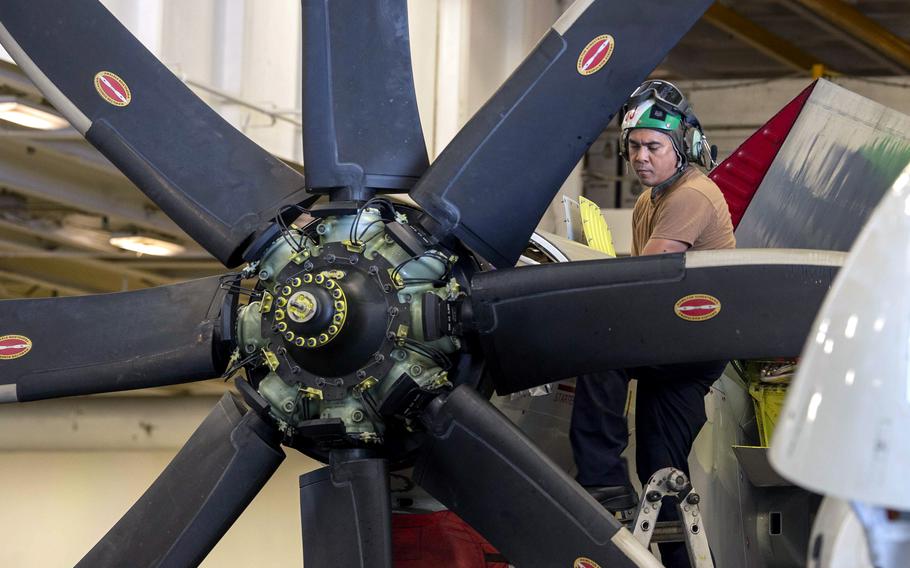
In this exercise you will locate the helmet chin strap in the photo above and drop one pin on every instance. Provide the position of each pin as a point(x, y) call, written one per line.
point(681, 166)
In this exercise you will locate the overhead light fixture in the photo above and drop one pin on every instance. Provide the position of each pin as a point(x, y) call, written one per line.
point(146, 245)
point(28, 114)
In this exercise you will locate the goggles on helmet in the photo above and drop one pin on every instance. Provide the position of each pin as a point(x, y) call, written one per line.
point(662, 91)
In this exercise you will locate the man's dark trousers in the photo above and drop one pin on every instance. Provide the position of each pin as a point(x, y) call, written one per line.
point(669, 413)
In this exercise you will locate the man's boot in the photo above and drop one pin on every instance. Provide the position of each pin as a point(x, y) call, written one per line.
point(618, 499)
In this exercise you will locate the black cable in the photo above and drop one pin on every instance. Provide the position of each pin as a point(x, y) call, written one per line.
point(237, 288)
point(367, 228)
point(286, 231)
point(434, 254)
point(249, 359)
point(428, 351)
point(361, 209)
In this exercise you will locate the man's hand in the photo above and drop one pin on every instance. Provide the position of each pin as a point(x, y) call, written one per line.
point(663, 246)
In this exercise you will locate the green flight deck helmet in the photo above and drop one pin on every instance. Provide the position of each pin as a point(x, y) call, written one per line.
point(659, 105)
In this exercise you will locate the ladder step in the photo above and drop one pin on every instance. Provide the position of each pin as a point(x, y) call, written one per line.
point(668, 531)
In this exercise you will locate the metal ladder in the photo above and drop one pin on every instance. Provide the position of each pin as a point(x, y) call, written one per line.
point(670, 482)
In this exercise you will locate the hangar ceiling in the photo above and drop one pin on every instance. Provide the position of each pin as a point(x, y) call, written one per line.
point(774, 38)
point(60, 200)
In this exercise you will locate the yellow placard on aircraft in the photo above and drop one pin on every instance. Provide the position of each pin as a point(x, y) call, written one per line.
point(597, 233)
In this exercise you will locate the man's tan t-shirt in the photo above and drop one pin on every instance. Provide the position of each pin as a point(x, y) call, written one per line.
point(692, 210)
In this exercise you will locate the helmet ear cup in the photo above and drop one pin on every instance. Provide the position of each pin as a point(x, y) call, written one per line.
point(695, 141)
point(698, 149)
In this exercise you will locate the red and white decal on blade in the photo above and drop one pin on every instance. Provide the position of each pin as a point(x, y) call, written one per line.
point(113, 89)
point(697, 307)
point(595, 55)
point(14, 346)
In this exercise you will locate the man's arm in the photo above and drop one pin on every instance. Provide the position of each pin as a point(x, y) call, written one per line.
point(662, 246)
point(684, 216)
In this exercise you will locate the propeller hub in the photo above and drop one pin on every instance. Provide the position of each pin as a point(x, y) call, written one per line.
point(344, 355)
point(311, 309)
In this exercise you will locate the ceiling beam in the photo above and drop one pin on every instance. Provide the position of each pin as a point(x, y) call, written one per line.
point(62, 289)
point(41, 235)
point(35, 171)
point(760, 38)
point(209, 267)
point(65, 275)
point(51, 233)
point(74, 271)
point(850, 20)
point(826, 26)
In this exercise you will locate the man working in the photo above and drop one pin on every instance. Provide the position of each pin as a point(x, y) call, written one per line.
point(681, 210)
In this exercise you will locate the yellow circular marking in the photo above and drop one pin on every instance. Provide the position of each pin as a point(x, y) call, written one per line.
point(595, 55)
point(582, 562)
point(14, 346)
point(697, 307)
point(113, 89)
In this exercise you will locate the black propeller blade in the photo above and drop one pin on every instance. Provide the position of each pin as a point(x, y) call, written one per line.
point(362, 129)
point(492, 183)
point(483, 468)
point(548, 322)
point(197, 498)
point(55, 347)
point(346, 513)
point(215, 183)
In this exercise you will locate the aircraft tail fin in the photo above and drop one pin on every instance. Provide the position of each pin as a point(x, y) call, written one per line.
point(811, 176)
point(740, 175)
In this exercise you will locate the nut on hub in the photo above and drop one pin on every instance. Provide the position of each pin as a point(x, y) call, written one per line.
point(302, 306)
